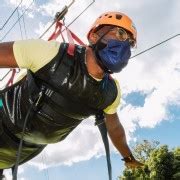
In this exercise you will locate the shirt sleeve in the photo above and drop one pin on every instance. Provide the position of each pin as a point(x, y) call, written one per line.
point(35, 53)
point(113, 107)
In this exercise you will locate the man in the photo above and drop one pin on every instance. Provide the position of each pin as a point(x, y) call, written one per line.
point(61, 89)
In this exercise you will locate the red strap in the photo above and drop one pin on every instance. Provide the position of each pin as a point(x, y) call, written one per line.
point(10, 81)
point(57, 31)
point(71, 49)
point(77, 39)
point(71, 46)
point(70, 35)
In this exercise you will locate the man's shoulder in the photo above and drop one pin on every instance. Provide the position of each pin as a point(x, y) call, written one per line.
point(34, 53)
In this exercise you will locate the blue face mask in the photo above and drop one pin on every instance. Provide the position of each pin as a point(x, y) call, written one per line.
point(114, 55)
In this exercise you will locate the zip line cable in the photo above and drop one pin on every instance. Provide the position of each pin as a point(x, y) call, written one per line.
point(2, 27)
point(59, 16)
point(19, 23)
point(43, 155)
point(5, 75)
point(24, 25)
point(152, 47)
point(81, 13)
point(78, 15)
point(16, 21)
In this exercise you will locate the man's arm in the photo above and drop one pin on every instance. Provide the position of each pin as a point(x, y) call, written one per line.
point(7, 58)
point(118, 137)
point(117, 134)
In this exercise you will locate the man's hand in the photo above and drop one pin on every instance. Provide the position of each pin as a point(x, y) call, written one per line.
point(133, 164)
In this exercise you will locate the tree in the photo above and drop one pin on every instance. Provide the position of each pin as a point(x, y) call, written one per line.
point(142, 150)
point(159, 162)
point(176, 165)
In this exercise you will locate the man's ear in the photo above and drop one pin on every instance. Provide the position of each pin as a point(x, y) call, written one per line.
point(93, 37)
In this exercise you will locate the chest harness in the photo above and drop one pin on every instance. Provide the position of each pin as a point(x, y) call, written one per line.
point(64, 86)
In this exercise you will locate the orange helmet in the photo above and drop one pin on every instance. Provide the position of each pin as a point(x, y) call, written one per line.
point(115, 19)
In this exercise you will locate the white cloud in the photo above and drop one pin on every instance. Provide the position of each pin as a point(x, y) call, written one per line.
point(161, 83)
point(23, 3)
point(82, 144)
point(42, 28)
point(8, 173)
point(51, 7)
point(29, 7)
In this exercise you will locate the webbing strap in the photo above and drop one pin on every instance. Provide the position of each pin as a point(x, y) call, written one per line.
point(30, 113)
point(70, 35)
point(71, 46)
point(103, 130)
point(10, 81)
point(15, 168)
point(57, 31)
point(77, 39)
point(1, 173)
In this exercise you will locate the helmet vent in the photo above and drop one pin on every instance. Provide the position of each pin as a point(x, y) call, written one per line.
point(118, 16)
point(109, 16)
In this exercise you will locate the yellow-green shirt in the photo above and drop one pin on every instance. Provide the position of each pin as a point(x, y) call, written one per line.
point(34, 54)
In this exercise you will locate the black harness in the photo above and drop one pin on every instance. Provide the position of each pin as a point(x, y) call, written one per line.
point(57, 97)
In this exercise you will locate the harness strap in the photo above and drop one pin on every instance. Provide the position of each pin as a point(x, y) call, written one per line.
point(77, 39)
point(1, 174)
point(10, 81)
point(15, 168)
point(30, 113)
point(70, 35)
point(103, 130)
point(57, 31)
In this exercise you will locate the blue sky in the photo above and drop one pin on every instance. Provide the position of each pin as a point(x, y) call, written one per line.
point(150, 85)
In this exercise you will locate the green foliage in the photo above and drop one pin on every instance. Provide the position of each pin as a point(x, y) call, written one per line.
point(142, 151)
point(136, 174)
point(159, 163)
point(176, 165)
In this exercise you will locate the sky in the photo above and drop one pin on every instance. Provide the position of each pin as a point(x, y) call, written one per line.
point(150, 84)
